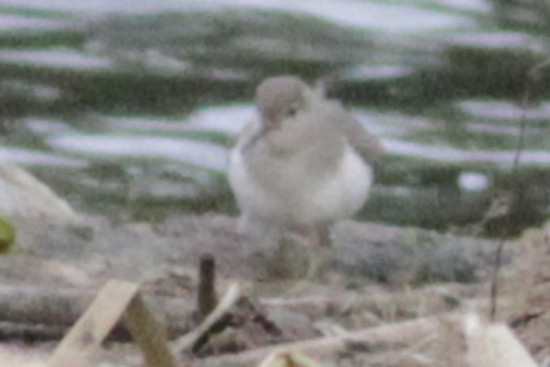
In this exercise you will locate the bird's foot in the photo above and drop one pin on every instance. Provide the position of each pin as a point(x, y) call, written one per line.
point(317, 264)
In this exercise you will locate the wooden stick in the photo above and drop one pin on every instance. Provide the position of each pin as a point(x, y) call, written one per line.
point(228, 300)
point(206, 299)
point(148, 334)
point(116, 299)
point(85, 337)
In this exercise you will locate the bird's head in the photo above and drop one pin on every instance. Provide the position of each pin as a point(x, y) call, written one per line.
point(280, 98)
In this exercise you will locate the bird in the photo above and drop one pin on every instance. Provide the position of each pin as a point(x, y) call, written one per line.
point(301, 165)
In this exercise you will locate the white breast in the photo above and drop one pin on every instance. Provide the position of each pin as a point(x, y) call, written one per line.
point(337, 197)
point(251, 197)
point(342, 195)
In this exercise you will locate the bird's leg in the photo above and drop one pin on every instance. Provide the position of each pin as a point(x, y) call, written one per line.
point(323, 231)
point(302, 252)
point(294, 255)
point(319, 241)
point(290, 258)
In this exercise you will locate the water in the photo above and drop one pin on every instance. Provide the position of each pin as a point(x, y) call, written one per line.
point(129, 108)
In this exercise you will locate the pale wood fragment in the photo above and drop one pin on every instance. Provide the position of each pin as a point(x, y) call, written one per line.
point(146, 332)
point(229, 299)
point(494, 345)
point(85, 337)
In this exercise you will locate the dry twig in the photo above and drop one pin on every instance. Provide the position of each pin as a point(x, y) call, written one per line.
point(533, 77)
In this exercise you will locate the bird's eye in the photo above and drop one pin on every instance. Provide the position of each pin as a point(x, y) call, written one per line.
point(292, 111)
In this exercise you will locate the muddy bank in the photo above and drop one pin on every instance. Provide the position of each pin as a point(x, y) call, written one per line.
point(364, 252)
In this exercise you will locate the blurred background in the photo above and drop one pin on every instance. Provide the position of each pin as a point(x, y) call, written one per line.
point(128, 108)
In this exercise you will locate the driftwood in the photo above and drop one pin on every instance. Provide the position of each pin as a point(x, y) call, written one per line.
point(30, 333)
point(39, 313)
point(388, 306)
point(40, 305)
point(400, 334)
point(116, 300)
point(463, 341)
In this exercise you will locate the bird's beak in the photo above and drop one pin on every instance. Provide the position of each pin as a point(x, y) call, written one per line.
point(270, 122)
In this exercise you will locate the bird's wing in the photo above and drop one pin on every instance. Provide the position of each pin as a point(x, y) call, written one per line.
point(249, 134)
point(363, 142)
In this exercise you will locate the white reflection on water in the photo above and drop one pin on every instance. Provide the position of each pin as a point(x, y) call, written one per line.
point(202, 154)
point(364, 14)
point(376, 72)
point(504, 111)
point(497, 40)
point(392, 124)
point(38, 91)
point(481, 6)
point(9, 22)
point(58, 58)
point(225, 119)
point(45, 126)
point(232, 119)
point(392, 129)
point(143, 124)
point(373, 15)
point(228, 119)
point(510, 130)
point(473, 181)
point(35, 158)
point(447, 154)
